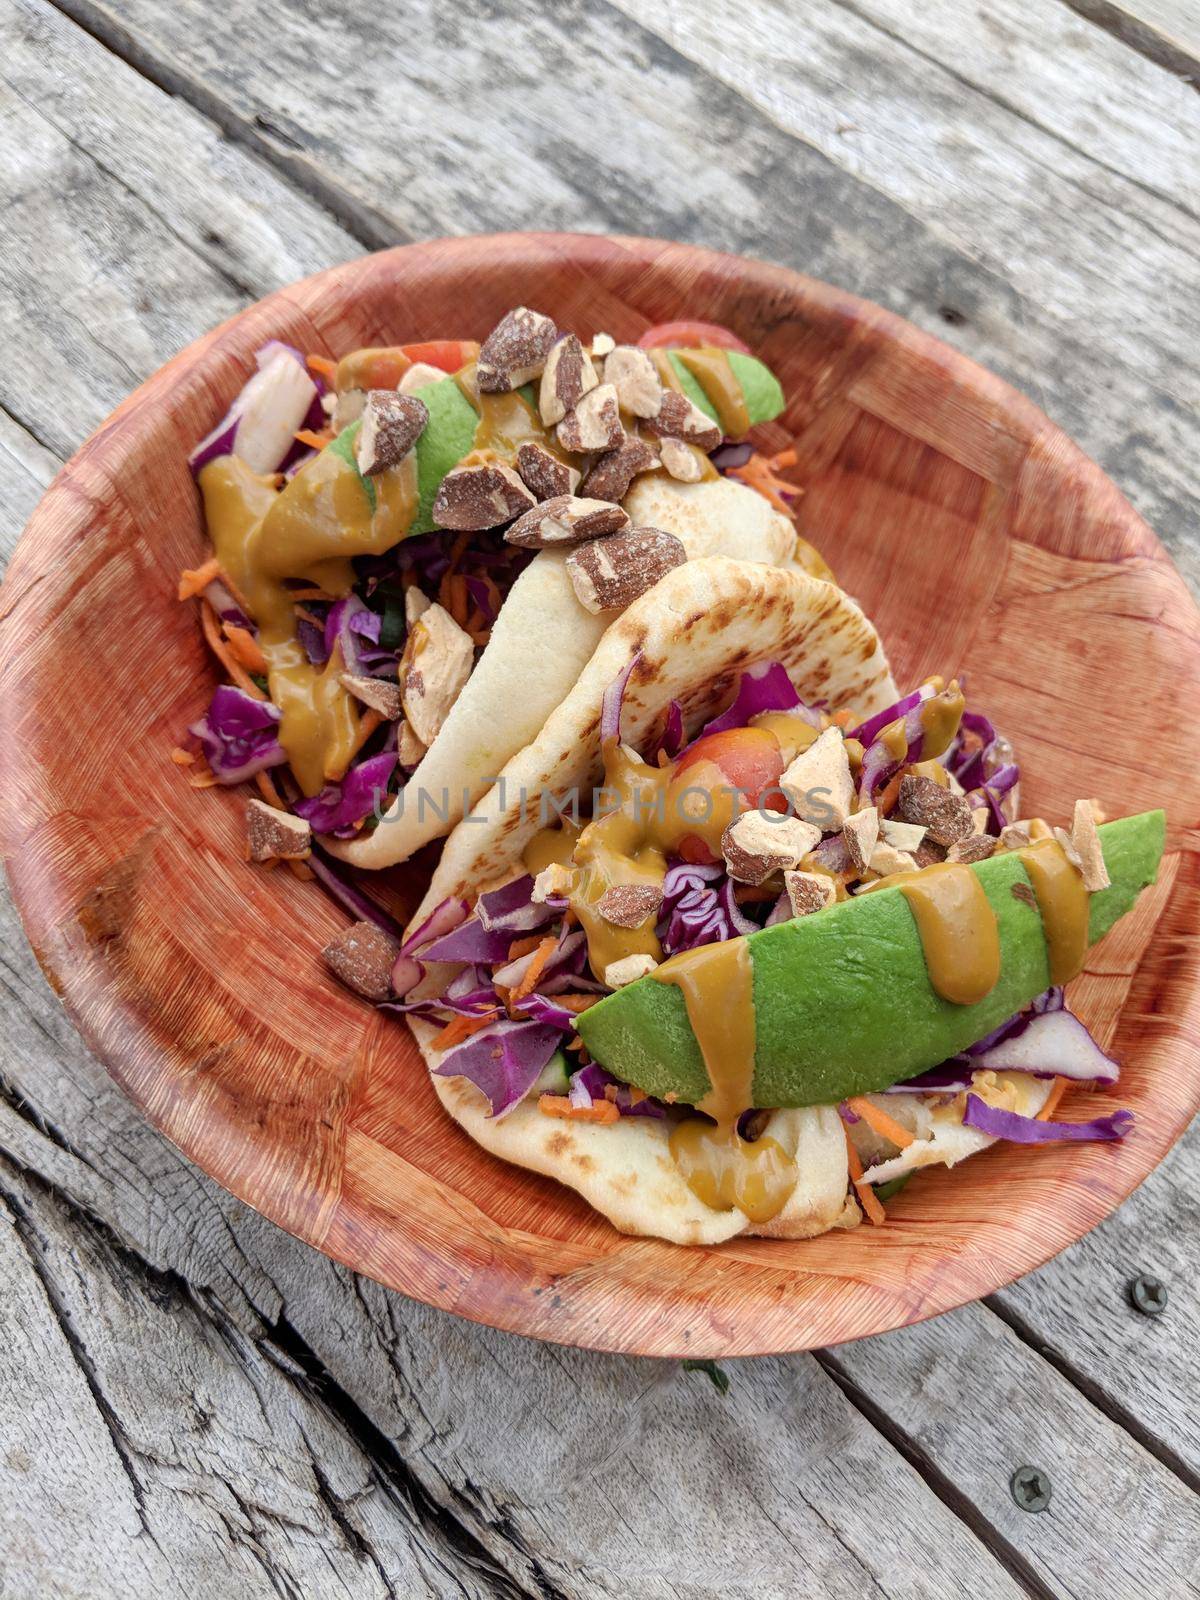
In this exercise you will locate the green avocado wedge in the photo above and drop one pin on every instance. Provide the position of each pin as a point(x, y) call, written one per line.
point(761, 389)
point(842, 999)
point(447, 437)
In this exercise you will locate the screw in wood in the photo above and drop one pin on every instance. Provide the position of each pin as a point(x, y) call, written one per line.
point(1030, 1488)
point(1147, 1295)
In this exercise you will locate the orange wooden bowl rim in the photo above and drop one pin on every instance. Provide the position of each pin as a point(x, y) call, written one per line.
point(974, 532)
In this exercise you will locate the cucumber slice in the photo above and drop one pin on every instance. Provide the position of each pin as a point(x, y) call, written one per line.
point(554, 1078)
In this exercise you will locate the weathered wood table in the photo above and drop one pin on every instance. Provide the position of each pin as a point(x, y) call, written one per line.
point(194, 1404)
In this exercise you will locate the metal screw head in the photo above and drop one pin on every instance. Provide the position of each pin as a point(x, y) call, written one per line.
point(1030, 1488)
point(1147, 1295)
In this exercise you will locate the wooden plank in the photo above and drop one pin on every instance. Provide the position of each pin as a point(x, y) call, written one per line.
point(1076, 1310)
point(133, 227)
point(1057, 167)
point(1119, 1523)
point(1165, 31)
point(154, 1450)
point(25, 471)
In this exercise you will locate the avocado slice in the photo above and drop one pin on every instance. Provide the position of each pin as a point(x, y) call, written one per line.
point(842, 999)
point(448, 436)
point(761, 389)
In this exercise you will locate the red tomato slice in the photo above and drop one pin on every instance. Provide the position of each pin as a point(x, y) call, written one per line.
point(749, 759)
point(448, 354)
point(690, 336)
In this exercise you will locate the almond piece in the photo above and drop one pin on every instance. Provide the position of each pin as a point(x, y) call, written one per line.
point(975, 847)
point(595, 423)
point(758, 845)
point(608, 574)
point(363, 958)
point(680, 461)
point(409, 748)
point(628, 970)
point(391, 424)
point(1015, 836)
point(380, 694)
point(515, 351)
point(419, 376)
point(472, 498)
point(552, 883)
point(861, 834)
point(601, 345)
point(1086, 842)
point(275, 835)
point(808, 892)
point(632, 373)
point(567, 519)
point(903, 835)
point(818, 783)
point(416, 604)
point(886, 859)
point(544, 475)
point(945, 817)
point(437, 662)
point(569, 375)
point(613, 472)
point(627, 905)
point(678, 418)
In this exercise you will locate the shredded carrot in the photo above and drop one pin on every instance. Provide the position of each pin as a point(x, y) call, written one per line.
point(460, 1028)
point(458, 550)
point(480, 636)
point(194, 580)
point(203, 779)
point(312, 593)
point(557, 1105)
point(760, 474)
point(266, 787)
point(301, 870)
point(886, 1127)
point(1057, 1090)
point(522, 947)
point(314, 441)
point(752, 894)
point(534, 970)
point(244, 649)
point(576, 1002)
point(323, 365)
point(867, 1198)
point(212, 633)
point(182, 758)
point(367, 724)
point(843, 719)
point(888, 795)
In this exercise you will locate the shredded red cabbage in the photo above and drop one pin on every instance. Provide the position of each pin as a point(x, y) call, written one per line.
point(612, 701)
point(1028, 1130)
point(503, 1060)
point(349, 895)
point(763, 687)
point(239, 735)
point(589, 1084)
point(513, 909)
point(340, 807)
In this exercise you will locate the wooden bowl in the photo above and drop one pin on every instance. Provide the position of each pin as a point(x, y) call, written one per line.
point(978, 537)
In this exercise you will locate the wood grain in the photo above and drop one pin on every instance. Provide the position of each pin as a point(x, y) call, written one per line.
point(198, 982)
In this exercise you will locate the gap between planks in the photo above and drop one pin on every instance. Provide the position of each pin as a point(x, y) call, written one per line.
point(1160, 30)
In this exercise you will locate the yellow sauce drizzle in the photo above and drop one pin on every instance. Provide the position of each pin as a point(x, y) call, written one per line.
point(958, 930)
point(722, 1169)
point(1065, 906)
